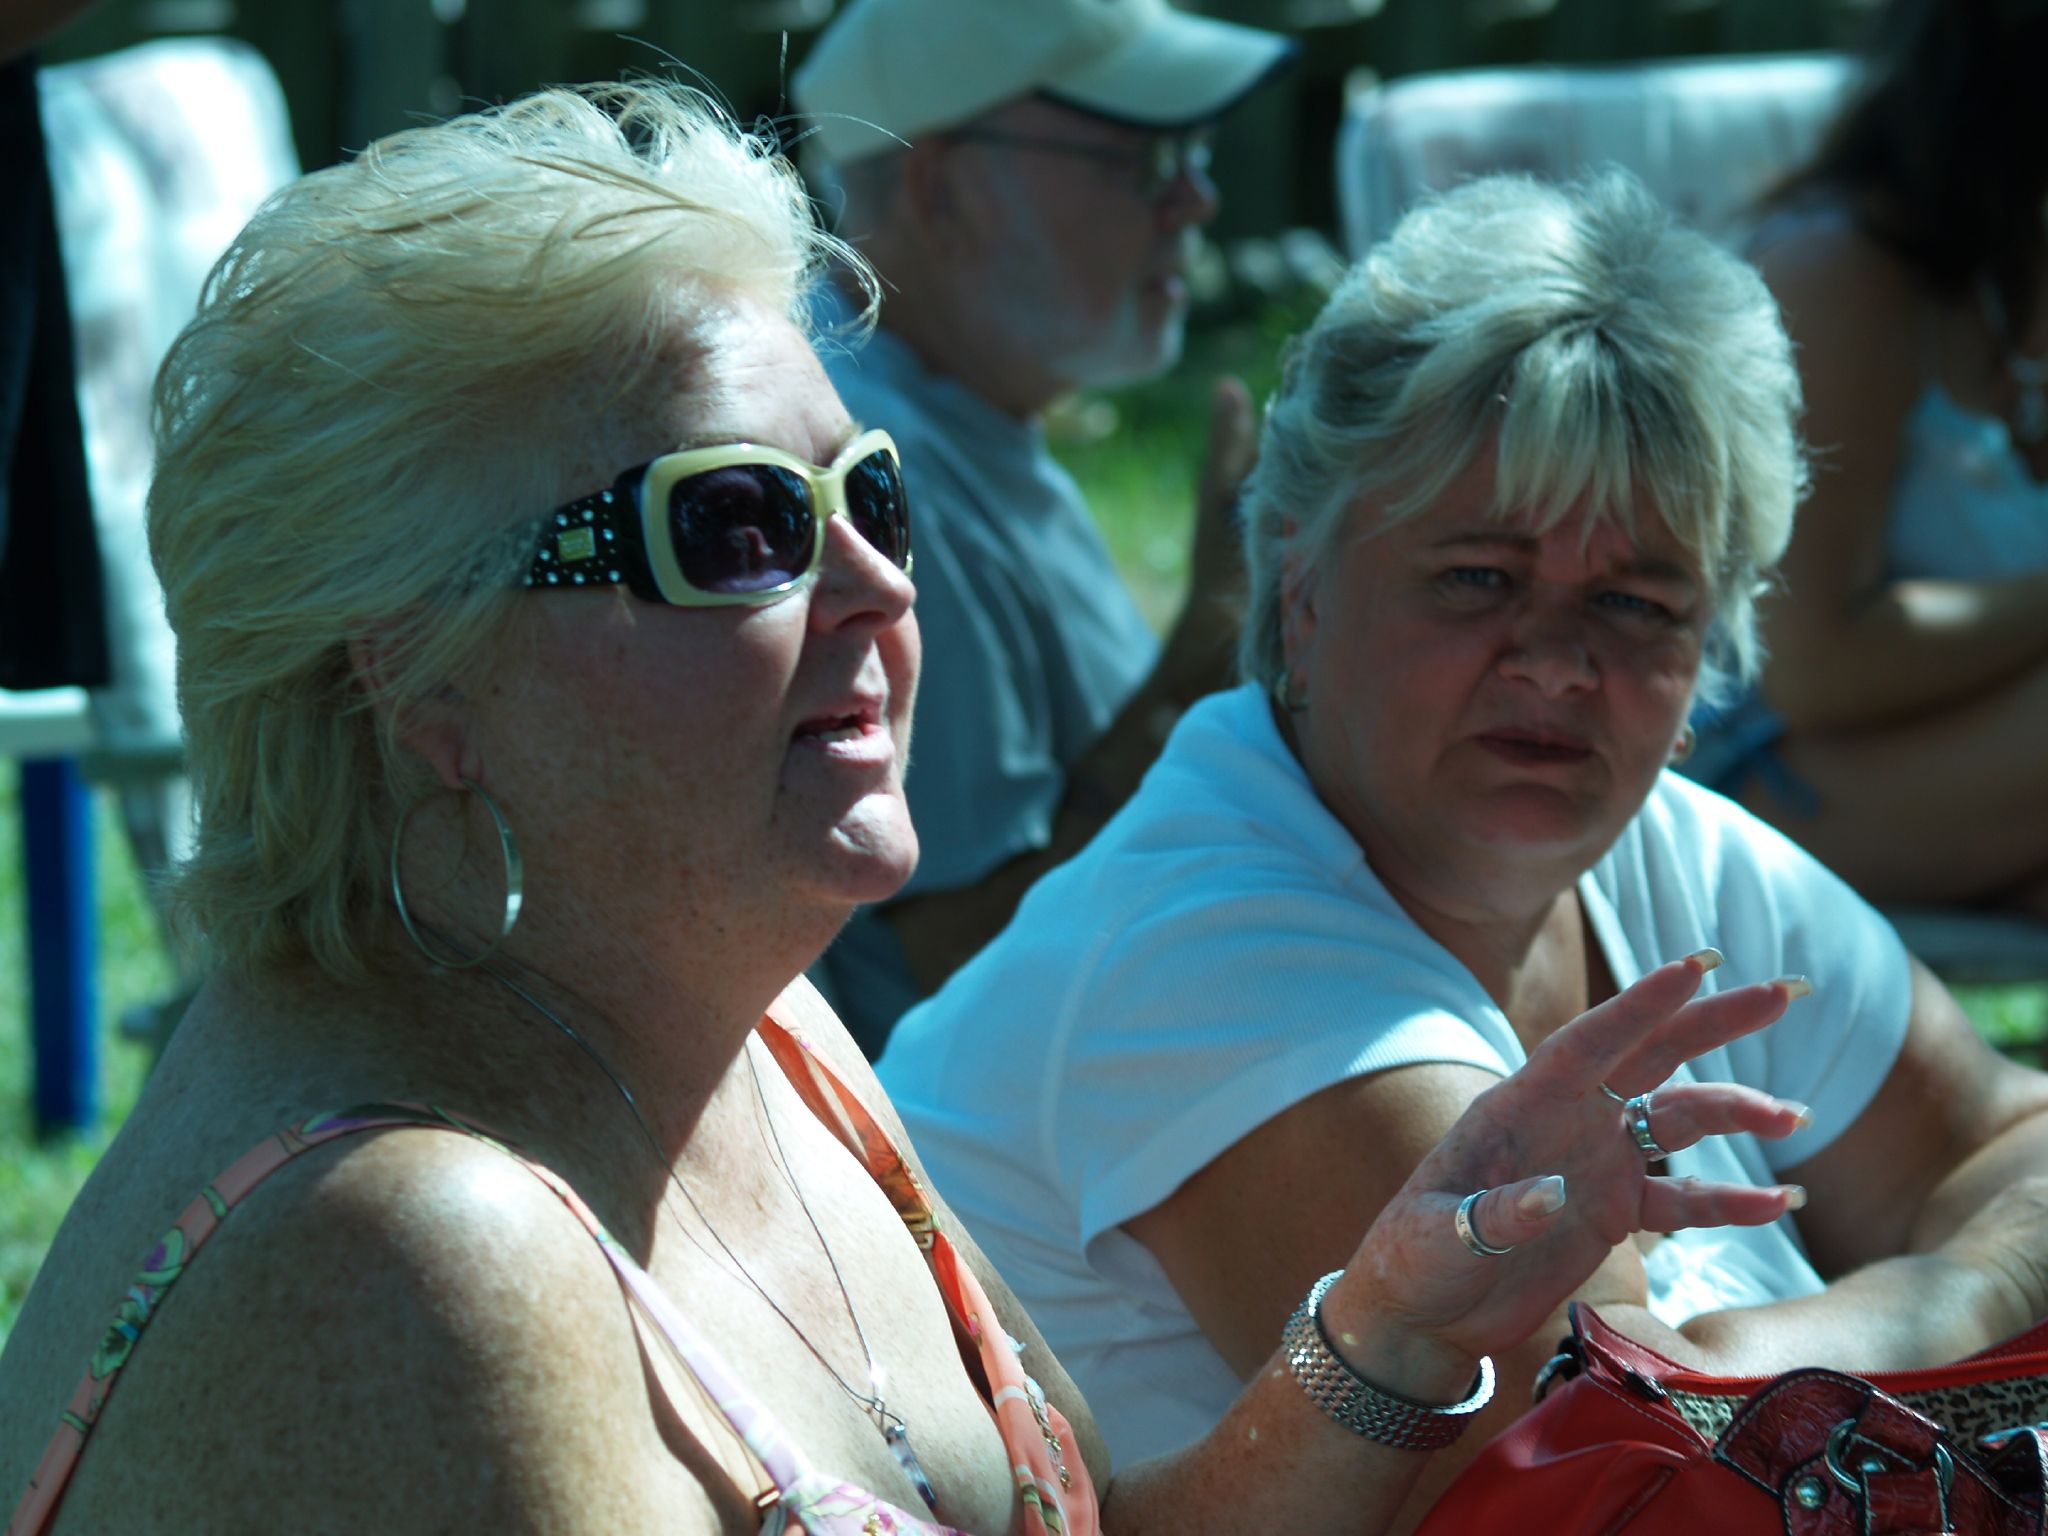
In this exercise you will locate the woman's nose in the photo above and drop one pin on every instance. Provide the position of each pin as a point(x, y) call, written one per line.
point(857, 581)
point(1548, 649)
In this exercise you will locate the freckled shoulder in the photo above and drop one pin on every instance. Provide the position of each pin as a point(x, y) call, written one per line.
point(405, 1332)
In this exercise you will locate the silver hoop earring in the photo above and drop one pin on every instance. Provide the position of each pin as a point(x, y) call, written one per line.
point(515, 880)
point(1284, 695)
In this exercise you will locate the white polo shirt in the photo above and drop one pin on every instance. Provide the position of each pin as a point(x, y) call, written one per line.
point(1222, 951)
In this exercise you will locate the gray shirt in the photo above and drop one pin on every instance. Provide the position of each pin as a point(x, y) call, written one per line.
point(1031, 642)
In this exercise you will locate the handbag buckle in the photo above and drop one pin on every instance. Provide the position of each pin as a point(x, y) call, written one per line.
point(1567, 1363)
point(1851, 1478)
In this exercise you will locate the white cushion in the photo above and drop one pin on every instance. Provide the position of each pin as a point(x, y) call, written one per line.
point(158, 156)
point(1706, 135)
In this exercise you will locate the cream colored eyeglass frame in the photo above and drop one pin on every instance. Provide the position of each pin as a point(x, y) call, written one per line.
point(623, 535)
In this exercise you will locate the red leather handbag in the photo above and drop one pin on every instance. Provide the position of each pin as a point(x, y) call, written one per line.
point(1626, 1440)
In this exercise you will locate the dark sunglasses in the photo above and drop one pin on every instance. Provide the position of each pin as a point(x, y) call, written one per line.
point(732, 525)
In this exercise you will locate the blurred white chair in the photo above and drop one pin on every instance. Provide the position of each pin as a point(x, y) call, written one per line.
point(1706, 135)
point(158, 155)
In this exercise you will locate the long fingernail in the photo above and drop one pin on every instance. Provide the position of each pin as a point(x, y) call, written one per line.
point(1708, 958)
point(1803, 1113)
point(1795, 1196)
point(1542, 1197)
point(1795, 986)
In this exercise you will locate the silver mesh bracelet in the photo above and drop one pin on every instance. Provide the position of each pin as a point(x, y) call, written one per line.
point(1382, 1416)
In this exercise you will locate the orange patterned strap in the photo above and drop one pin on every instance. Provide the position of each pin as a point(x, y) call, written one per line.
point(840, 1110)
point(1052, 1479)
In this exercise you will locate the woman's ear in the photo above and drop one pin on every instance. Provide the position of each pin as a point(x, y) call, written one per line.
point(1297, 601)
point(434, 728)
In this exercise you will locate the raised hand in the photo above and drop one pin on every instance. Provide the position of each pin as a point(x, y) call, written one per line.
point(1218, 554)
point(1563, 1175)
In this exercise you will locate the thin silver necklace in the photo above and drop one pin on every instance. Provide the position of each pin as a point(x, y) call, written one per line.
point(894, 1431)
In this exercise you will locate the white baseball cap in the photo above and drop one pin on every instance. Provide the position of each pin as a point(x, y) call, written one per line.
point(889, 70)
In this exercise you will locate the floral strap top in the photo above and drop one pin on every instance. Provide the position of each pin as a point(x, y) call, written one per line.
point(1052, 1480)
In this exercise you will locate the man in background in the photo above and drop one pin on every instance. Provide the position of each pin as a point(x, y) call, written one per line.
point(1028, 178)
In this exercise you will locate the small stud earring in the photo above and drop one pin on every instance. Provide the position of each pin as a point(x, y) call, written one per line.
point(1682, 749)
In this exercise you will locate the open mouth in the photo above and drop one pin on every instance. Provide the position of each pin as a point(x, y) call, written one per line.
point(835, 728)
point(855, 721)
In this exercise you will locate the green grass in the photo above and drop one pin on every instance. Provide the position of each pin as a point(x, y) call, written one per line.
point(2013, 1018)
point(38, 1178)
point(1137, 455)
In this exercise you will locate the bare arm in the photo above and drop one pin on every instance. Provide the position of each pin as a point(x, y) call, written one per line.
point(1953, 1123)
point(1275, 1463)
point(1890, 1200)
point(1414, 1309)
point(1927, 1215)
point(1243, 1239)
point(1849, 646)
point(940, 932)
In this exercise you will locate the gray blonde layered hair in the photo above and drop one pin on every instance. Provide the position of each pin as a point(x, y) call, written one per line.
point(357, 433)
point(1612, 358)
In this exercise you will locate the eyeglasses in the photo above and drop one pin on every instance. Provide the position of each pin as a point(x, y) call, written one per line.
point(725, 526)
point(1163, 161)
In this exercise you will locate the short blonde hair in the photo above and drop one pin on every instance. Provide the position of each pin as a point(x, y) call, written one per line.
point(1609, 353)
point(357, 432)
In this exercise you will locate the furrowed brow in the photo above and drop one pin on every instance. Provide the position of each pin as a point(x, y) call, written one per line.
point(1655, 568)
point(1486, 538)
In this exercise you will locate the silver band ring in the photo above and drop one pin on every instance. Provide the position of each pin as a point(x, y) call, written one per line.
point(1637, 1111)
point(1469, 1235)
point(1619, 1098)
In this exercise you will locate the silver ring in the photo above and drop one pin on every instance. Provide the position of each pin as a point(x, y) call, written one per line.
point(1637, 1110)
point(1619, 1098)
point(1469, 1235)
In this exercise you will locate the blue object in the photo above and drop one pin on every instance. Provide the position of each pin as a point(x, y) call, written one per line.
point(1737, 742)
point(56, 826)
